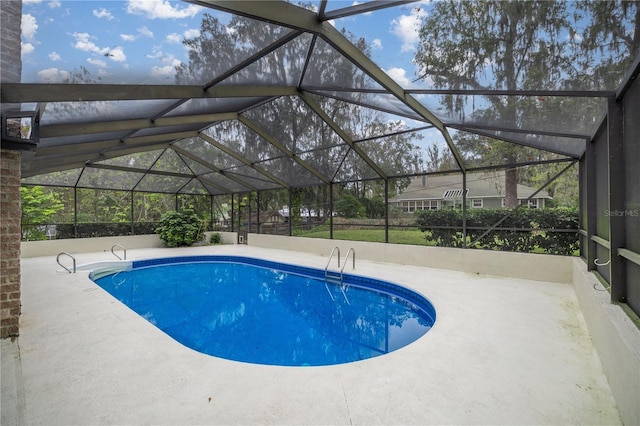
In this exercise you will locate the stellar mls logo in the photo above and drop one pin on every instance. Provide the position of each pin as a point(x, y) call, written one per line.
point(622, 213)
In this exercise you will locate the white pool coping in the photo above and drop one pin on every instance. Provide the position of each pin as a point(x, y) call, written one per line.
point(502, 351)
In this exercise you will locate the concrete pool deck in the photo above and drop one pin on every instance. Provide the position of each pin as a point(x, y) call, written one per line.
point(502, 351)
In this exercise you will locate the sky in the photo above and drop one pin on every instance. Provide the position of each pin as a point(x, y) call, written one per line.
point(143, 38)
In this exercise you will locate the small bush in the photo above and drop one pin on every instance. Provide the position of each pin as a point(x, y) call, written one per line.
point(179, 228)
point(216, 238)
point(350, 207)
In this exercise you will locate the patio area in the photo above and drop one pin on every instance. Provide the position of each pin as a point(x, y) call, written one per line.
point(502, 351)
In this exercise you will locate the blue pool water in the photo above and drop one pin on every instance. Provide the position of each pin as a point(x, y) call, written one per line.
point(264, 312)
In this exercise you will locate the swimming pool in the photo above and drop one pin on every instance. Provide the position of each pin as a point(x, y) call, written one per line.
point(265, 312)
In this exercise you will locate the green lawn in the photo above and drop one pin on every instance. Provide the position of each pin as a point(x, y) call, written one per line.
point(415, 237)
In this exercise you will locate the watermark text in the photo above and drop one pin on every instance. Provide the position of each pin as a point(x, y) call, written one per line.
point(622, 213)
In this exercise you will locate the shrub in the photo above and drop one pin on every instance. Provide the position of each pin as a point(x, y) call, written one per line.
point(524, 230)
point(216, 238)
point(348, 206)
point(179, 228)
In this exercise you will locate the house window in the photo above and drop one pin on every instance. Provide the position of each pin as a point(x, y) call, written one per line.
point(532, 204)
point(431, 205)
point(409, 206)
point(476, 203)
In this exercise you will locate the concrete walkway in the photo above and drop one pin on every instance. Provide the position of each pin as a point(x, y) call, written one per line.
point(502, 351)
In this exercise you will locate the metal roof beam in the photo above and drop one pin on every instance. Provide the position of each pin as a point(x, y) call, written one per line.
point(253, 58)
point(572, 154)
point(138, 124)
point(367, 105)
point(103, 146)
point(471, 127)
point(477, 92)
point(44, 92)
point(325, 117)
point(49, 163)
point(362, 8)
point(273, 141)
point(94, 165)
point(534, 93)
point(203, 180)
point(213, 168)
point(279, 13)
point(344, 46)
point(243, 160)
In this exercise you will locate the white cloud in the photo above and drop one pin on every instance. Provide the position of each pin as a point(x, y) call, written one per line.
point(97, 62)
point(160, 56)
point(53, 75)
point(156, 55)
point(405, 27)
point(84, 43)
point(399, 75)
point(146, 32)
point(191, 33)
point(26, 48)
point(55, 4)
point(102, 13)
point(376, 44)
point(116, 54)
point(54, 56)
point(174, 38)
point(29, 27)
point(165, 72)
point(160, 9)
point(31, 1)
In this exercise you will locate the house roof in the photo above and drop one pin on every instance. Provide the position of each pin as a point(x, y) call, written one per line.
point(479, 185)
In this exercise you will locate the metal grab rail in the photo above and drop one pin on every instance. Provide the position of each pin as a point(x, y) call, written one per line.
point(327, 276)
point(353, 256)
point(123, 249)
point(338, 279)
point(331, 257)
point(65, 268)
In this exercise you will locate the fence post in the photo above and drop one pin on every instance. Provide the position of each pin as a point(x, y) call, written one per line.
point(75, 212)
point(331, 210)
point(464, 208)
point(386, 210)
point(616, 200)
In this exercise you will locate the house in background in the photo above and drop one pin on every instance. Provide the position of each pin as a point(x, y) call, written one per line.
point(485, 190)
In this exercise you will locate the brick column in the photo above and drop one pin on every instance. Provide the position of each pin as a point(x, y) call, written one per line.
point(10, 36)
point(10, 213)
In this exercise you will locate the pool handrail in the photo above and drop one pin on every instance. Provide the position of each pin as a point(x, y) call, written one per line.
point(123, 249)
point(65, 268)
point(353, 256)
point(335, 278)
point(331, 257)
